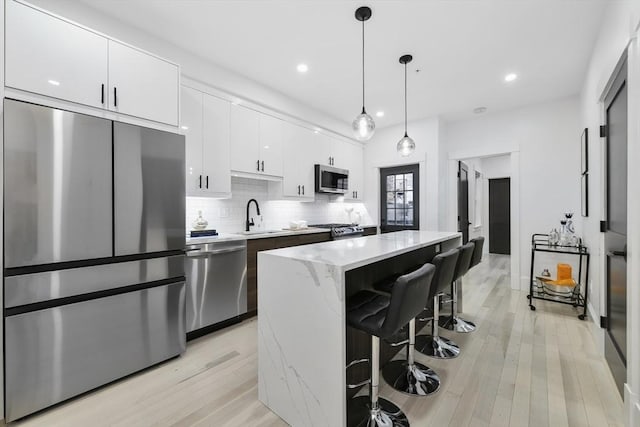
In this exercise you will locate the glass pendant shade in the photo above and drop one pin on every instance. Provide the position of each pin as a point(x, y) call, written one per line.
point(406, 146)
point(363, 127)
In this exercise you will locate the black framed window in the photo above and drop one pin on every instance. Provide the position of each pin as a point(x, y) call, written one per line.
point(400, 198)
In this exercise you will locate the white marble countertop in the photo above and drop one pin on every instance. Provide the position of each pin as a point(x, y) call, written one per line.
point(226, 237)
point(348, 254)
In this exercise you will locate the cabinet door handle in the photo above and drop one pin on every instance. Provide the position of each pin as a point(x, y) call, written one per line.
point(298, 190)
point(356, 194)
point(263, 166)
point(102, 95)
point(258, 165)
point(303, 190)
point(115, 96)
point(207, 181)
point(200, 182)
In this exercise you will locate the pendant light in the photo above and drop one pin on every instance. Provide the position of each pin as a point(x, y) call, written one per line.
point(363, 125)
point(406, 145)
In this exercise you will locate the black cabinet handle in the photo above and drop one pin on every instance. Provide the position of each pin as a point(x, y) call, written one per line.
point(115, 96)
point(207, 181)
point(303, 190)
point(298, 190)
point(263, 166)
point(200, 182)
point(102, 94)
point(258, 165)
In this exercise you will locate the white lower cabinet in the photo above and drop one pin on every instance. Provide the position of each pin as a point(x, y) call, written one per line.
point(205, 124)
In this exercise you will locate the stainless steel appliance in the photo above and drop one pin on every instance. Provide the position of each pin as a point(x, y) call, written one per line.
point(331, 180)
point(342, 231)
point(216, 285)
point(93, 253)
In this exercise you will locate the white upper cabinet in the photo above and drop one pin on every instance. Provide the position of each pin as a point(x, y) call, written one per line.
point(256, 142)
point(142, 85)
point(53, 57)
point(270, 145)
point(49, 56)
point(299, 157)
point(215, 146)
point(353, 156)
point(205, 124)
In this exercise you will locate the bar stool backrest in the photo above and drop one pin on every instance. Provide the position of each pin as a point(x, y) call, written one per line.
point(408, 295)
point(445, 264)
point(477, 251)
point(464, 260)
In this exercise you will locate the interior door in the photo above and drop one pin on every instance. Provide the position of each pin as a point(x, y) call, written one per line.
point(500, 216)
point(399, 198)
point(616, 228)
point(463, 201)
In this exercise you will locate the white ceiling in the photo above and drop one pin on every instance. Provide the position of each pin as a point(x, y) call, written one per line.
point(463, 48)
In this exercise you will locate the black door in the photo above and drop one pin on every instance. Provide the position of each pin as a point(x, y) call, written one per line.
point(463, 201)
point(399, 198)
point(500, 216)
point(616, 228)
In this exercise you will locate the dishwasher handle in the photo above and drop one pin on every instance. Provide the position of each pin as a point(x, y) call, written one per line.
point(198, 252)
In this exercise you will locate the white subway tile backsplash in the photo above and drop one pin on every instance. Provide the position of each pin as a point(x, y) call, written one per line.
point(228, 215)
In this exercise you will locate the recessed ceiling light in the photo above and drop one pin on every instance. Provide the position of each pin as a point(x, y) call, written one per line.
point(302, 68)
point(380, 114)
point(54, 82)
point(480, 110)
point(184, 127)
point(510, 77)
point(316, 131)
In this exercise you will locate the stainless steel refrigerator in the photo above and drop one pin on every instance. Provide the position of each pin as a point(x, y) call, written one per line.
point(94, 236)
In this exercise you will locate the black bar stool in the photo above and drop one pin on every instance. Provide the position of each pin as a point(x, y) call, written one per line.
point(409, 376)
point(434, 345)
point(381, 316)
point(477, 251)
point(455, 322)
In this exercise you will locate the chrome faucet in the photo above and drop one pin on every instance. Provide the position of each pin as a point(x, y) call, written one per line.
point(247, 222)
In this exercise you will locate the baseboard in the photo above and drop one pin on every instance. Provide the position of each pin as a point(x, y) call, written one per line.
point(524, 283)
point(632, 407)
point(596, 330)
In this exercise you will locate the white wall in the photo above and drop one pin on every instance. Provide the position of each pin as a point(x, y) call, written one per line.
point(228, 215)
point(547, 138)
point(193, 66)
point(619, 27)
point(380, 151)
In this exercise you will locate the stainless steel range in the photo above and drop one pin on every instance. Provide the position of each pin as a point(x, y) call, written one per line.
point(342, 231)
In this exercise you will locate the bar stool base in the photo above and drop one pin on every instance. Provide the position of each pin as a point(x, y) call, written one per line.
point(437, 347)
point(416, 380)
point(387, 414)
point(457, 324)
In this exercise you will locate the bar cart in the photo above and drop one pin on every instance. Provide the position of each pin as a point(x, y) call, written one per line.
point(540, 243)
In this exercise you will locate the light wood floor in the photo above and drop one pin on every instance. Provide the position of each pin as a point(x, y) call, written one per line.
point(519, 368)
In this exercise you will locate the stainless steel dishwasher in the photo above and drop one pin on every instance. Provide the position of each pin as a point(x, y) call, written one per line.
point(216, 285)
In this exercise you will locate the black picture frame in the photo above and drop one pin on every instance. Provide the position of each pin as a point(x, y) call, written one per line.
point(584, 184)
point(584, 151)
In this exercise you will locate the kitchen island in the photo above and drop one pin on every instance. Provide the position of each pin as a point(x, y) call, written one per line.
point(302, 332)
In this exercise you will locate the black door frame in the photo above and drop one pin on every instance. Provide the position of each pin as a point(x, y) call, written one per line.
point(395, 170)
point(614, 356)
point(461, 228)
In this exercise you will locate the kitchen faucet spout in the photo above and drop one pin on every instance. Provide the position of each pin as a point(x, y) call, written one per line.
point(249, 223)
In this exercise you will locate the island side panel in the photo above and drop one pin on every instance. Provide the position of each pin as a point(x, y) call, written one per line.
point(301, 336)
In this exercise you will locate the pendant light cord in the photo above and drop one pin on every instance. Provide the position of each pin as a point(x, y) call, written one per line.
point(363, 111)
point(405, 99)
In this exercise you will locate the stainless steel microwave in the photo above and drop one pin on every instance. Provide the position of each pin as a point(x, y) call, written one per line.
point(331, 180)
